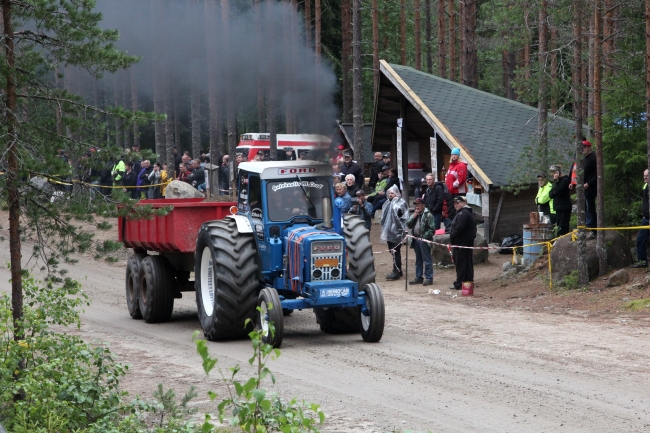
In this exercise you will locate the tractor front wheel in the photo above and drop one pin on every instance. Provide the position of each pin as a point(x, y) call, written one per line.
point(270, 311)
point(226, 281)
point(372, 316)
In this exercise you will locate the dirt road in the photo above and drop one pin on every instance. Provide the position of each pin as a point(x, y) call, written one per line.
point(443, 365)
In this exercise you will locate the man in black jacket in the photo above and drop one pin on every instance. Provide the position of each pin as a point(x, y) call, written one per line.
point(561, 195)
point(463, 233)
point(591, 186)
point(351, 167)
point(224, 176)
point(434, 198)
point(644, 234)
point(146, 170)
point(130, 180)
point(375, 170)
point(197, 178)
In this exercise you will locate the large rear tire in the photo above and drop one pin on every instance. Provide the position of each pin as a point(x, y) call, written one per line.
point(156, 289)
point(271, 311)
point(372, 321)
point(361, 269)
point(226, 280)
point(132, 282)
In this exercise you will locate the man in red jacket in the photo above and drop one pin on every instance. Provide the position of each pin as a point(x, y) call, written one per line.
point(455, 180)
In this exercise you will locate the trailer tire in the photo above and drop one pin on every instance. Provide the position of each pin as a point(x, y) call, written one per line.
point(269, 296)
point(361, 269)
point(372, 324)
point(226, 282)
point(132, 282)
point(156, 289)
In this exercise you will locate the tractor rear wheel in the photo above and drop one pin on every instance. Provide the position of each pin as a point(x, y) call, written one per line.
point(156, 289)
point(361, 269)
point(226, 282)
point(372, 321)
point(132, 282)
point(271, 311)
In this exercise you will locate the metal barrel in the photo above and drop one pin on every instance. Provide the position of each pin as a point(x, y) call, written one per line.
point(535, 235)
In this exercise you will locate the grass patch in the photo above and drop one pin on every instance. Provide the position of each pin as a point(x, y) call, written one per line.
point(638, 304)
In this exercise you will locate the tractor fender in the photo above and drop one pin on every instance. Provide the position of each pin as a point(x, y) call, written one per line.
point(243, 223)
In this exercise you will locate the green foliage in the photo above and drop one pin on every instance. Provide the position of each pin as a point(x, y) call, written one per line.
point(68, 384)
point(572, 281)
point(248, 406)
point(638, 304)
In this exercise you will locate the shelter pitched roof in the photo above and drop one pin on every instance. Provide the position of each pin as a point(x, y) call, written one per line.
point(347, 131)
point(492, 132)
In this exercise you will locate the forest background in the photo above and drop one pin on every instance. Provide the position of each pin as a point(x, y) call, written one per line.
point(219, 68)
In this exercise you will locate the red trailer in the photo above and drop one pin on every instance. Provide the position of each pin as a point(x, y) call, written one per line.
point(154, 280)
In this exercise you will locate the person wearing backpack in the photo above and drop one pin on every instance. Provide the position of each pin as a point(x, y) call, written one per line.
point(434, 198)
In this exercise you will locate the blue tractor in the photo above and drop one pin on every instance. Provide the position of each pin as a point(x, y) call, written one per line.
point(286, 247)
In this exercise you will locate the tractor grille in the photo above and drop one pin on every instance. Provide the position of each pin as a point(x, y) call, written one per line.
point(326, 267)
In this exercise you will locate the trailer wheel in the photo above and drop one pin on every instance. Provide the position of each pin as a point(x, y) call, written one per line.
point(132, 283)
point(361, 269)
point(271, 311)
point(156, 297)
point(226, 281)
point(372, 317)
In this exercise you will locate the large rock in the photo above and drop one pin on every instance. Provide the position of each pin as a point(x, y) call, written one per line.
point(440, 253)
point(564, 256)
point(178, 189)
point(618, 278)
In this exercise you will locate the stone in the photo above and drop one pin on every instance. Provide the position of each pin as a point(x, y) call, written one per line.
point(440, 253)
point(618, 278)
point(178, 189)
point(637, 286)
point(564, 255)
point(506, 266)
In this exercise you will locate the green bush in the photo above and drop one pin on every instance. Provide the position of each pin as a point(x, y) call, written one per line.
point(248, 406)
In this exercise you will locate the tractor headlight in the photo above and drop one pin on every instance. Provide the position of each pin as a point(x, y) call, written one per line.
point(317, 273)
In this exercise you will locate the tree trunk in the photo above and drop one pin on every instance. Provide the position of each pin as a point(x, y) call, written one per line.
point(375, 45)
point(590, 66)
point(418, 36)
point(346, 51)
point(126, 87)
point(402, 32)
point(601, 251)
point(357, 82)
point(272, 117)
point(261, 103)
point(469, 54)
point(553, 83)
point(608, 35)
point(135, 107)
point(288, 71)
point(211, 17)
point(308, 20)
point(168, 151)
point(177, 122)
point(13, 176)
point(317, 28)
point(452, 41)
point(583, 273)
point(117, 102)
point(542, 94)
point(442, 48)
point(428, 36)
point(647, 77)
point(195, 120)
point(511, 66)
point(231, 114)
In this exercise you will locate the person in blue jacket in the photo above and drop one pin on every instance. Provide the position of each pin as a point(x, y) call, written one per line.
point(345, 202)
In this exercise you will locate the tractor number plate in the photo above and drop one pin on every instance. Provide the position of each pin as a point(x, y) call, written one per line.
point(326, 263)
point(335, 293)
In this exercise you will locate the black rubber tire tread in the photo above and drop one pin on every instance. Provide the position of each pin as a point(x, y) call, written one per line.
point(375, 303)
point(235, 261)
point(131, 284)
point(361, 269)
point(157, 302)
point(270, 296)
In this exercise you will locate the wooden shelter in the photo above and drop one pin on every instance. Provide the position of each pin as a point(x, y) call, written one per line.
point(419, 118)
